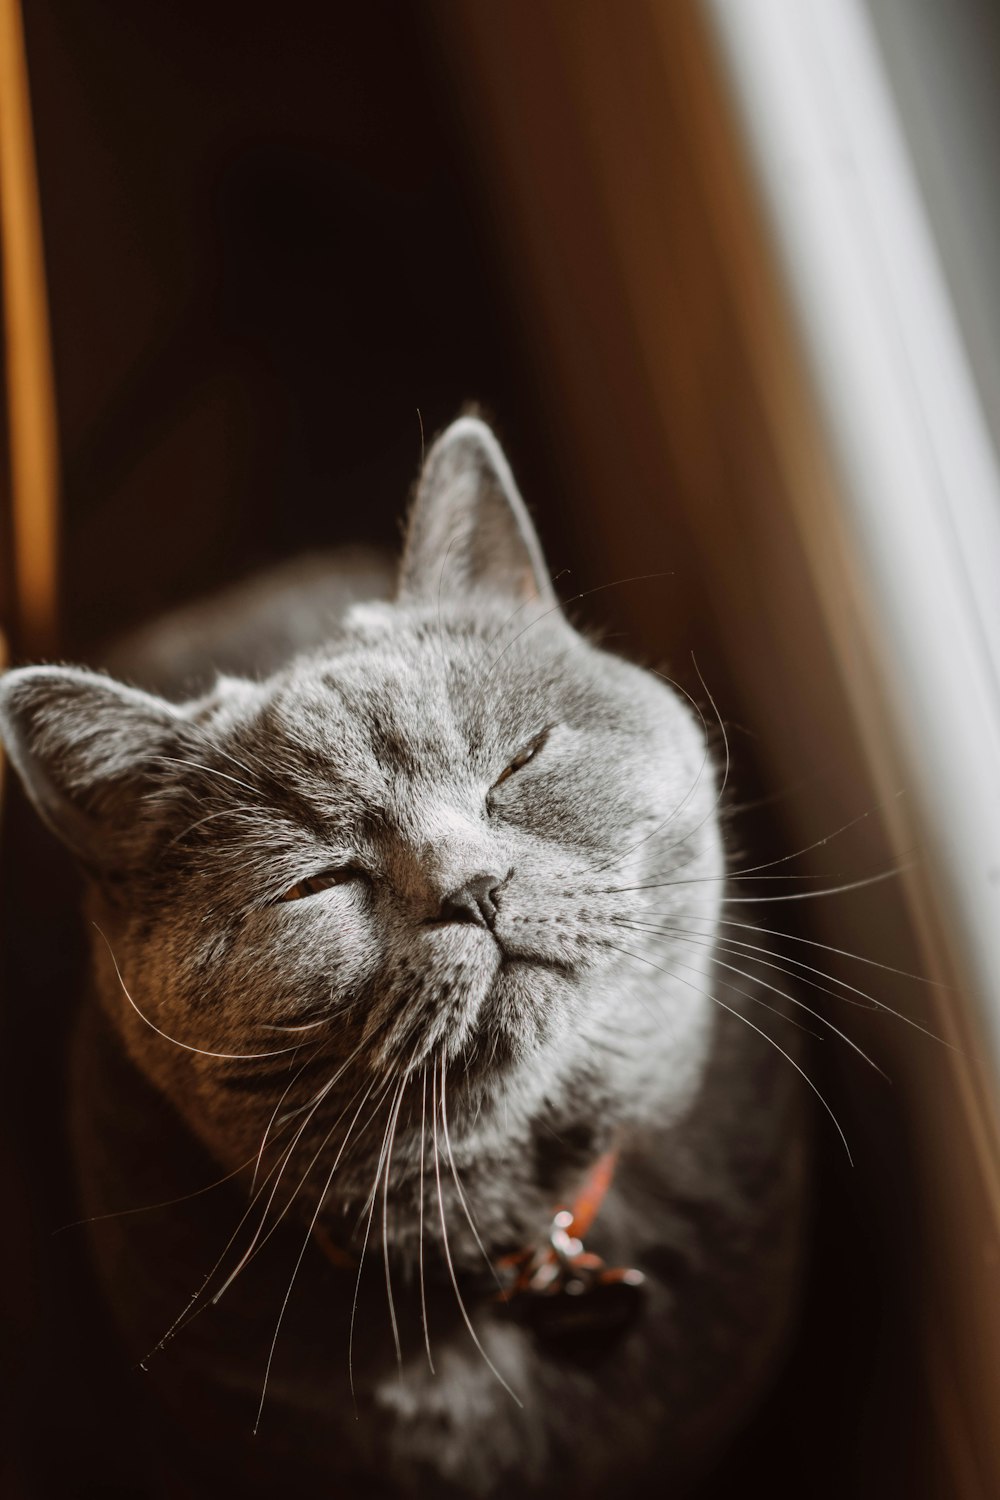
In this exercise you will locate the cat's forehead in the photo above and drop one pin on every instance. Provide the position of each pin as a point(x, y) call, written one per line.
point(417, 695)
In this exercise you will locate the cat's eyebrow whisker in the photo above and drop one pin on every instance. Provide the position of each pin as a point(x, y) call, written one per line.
point(522, 606)
point(197, 765)
point(713, 810)
point(714, 947)
point(458, 1186)
point(305, 1245)
point(420, 1224)
point(191, 727)
point(187, 1047)
point(447, 1249)
point(220, 812)
point(721, 792)
point(640, 958)
point(573, 599)
point(676, 811)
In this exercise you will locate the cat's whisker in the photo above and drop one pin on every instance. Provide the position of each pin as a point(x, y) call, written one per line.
point(186, 1046)
point(722, 880)
point(307, 1026)
point(676, 936)
point(754, 870)
point(370, 1205)
point(794, 937)
point(277, 1172)
point(274, 1115)
point(149, 1208)
point(258, 1243)
point(726, 878)
point(309, 1106)
point(869, 1002)
point(305, 1244)
point(191, 1310)
point(335, 1014)
point(458, 1186)
point(447, 1250)
point(640, 958)
point(836, 890)
point(385, 1221)
point(819, 844)
point(420, 1221)
point(187, 1314)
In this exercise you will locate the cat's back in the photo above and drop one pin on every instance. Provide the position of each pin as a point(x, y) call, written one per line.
point(253, 627)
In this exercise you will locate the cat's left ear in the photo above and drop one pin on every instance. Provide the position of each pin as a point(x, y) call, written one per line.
point(469, 531)
point(89, 752)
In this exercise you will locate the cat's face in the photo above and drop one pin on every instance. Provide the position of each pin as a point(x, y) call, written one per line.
point(419, 854)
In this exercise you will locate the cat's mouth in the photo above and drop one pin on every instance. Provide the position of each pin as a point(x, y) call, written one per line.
point(509, 958)
point(513, 954)
point(474, 988)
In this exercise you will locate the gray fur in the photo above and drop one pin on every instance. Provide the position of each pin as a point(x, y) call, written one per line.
point(571, 1024)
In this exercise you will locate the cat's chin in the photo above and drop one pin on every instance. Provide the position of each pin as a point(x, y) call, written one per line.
point(528, 1001)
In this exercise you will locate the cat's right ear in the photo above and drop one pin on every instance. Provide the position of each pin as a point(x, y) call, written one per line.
point(89, 751)
point(469, 531)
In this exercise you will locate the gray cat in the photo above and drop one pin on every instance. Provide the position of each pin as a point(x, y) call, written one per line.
point(405, 985)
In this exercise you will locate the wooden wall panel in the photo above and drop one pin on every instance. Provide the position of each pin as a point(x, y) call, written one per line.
point(677, 391)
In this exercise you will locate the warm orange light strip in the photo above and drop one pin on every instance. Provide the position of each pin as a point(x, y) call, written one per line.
point(34, 461)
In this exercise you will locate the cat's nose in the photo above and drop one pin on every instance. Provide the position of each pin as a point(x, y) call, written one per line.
point(473, 901)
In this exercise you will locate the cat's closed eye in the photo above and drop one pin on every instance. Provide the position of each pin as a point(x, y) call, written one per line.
point(311, 885)
point(528, 752)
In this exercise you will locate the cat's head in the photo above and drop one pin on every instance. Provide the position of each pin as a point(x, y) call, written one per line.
point(424, 853)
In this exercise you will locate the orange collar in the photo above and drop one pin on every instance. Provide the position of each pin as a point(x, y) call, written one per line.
point(566, 1294)
point(587, 1203)
point(573, 1222)
point(562, 1264)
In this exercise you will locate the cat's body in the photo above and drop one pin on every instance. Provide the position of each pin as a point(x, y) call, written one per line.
point(432, 911)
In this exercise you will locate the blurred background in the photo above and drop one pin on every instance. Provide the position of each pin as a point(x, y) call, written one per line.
point(282, 248)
